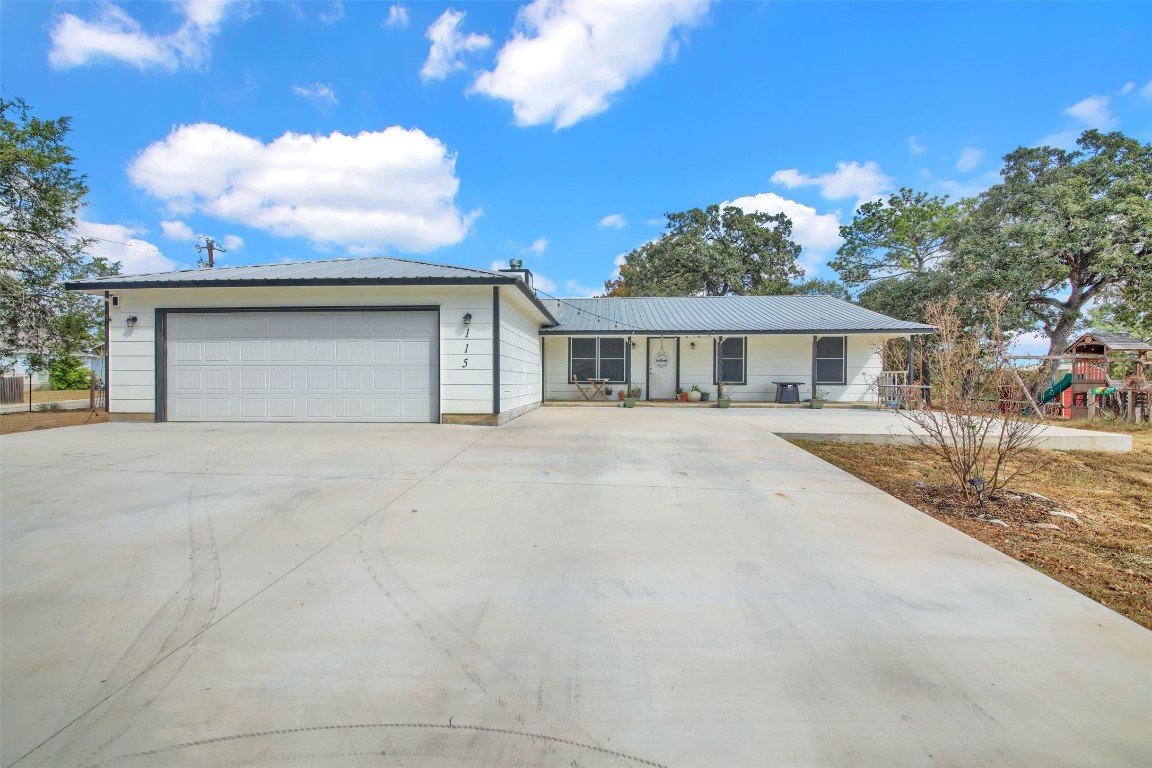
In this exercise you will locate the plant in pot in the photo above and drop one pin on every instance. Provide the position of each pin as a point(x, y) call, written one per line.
point(819, 395)
point(694, 394)
point(723, 397)
point(633, 393)
point(681, 395)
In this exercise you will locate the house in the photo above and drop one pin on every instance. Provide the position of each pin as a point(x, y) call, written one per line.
point(393, 340)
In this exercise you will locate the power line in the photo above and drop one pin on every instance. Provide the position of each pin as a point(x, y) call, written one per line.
point(582, 310)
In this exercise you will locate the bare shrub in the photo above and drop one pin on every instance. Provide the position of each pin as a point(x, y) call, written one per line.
point(980, 419)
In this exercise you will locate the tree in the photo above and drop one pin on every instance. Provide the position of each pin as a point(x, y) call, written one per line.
point(1062, 229)
point(712, 252)
point(1131, 313)
point(902, 236)
point(40, 197)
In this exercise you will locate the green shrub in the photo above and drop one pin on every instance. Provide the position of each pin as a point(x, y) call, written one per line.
point(68, 373)
point(49, 407)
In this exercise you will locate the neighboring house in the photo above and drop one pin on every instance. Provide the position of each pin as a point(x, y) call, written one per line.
point(382, 339)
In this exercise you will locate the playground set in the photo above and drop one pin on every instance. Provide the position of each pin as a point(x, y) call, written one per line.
point(1100, 375)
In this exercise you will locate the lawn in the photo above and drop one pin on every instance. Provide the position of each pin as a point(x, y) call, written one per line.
point(56, 395)
point(1105, 552)
point(26, 422)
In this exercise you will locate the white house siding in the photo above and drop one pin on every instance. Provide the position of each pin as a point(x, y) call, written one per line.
point(770, 357)
point(558, 381)
point(520, 363)
point(463, 390)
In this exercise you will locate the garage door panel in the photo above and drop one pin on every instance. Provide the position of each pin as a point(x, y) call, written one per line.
point(293, 366)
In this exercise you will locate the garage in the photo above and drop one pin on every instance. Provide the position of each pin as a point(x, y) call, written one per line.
point(298, 365)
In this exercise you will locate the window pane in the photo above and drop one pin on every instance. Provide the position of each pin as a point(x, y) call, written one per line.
point(584, 369)
point(829, 372)
point(732, 370)
point(612, 370)
point(612, 348)
point(732, 348)
point(583, 347)
point(830, 346)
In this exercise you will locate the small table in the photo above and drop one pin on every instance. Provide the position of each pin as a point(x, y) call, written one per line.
point(787, 391)
point(595, 387)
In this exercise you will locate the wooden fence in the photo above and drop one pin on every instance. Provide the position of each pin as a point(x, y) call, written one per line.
point(11, 389)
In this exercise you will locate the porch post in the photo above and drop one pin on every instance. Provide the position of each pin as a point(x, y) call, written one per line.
point(911, 359)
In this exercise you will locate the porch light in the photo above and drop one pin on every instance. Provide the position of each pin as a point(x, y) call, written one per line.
point(978, 484)
point(467, 318)
point(692, 344)
point(131, 321)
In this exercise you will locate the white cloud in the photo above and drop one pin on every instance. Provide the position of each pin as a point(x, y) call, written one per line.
point(233, 243)
point(613, 221)
point(818, 233)
point(539, 246)
point(115, 34)
point(1094, 112)
point(1128, 87)
point(375, 190)
point(970, 157)
point(177, 230)
point(320, 93)
point(449, 45)
point(864, 182)
point(1031, 343)
point(567, 58)
point(655, 221)
point(1146, 91)
point(118, 243)
point(334, 13)
point(618, 262)
point(575, 290)
point(397, 17)
point(915, 147)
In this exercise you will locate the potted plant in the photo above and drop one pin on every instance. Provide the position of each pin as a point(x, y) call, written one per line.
point(633, 393)
point(681, 395)
point(694, 394)
point(723, 400)
point(608, 391)
point(818, 397)
point(622, 393)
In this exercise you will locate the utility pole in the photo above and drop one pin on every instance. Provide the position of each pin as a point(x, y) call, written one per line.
point(211, 246)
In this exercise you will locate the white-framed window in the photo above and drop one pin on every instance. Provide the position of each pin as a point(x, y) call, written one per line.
point(831, 360)
point(731, 361)
point(590, 357)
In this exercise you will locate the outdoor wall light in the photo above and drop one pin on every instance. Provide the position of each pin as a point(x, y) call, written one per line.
point(467, 318)
point(131, 321)
point(978, 484)
point(692, 344)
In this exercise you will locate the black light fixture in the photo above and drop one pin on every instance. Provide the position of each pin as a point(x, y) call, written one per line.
point(692, 344)
point(467, 318)
point(131, 320)
point(978, 484)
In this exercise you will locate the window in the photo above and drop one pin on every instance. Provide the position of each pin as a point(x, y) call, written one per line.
point(592, 358)
point(730, 365)
point(830, 359)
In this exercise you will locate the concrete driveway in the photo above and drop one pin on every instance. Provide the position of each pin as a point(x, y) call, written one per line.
point(581, 587)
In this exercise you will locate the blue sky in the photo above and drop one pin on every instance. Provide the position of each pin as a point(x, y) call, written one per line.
point(557, 132)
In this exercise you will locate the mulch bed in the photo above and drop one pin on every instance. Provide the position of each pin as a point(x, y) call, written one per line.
point(11, 423)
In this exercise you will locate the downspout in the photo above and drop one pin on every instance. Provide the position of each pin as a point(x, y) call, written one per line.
point(814, 340)
point(107, 353)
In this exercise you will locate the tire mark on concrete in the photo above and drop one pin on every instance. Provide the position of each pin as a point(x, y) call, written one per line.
point(413, 726)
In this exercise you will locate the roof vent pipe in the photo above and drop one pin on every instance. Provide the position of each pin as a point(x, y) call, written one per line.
point(515, 264)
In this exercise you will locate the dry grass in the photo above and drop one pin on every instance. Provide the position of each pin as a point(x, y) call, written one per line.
point(1107, 555)
point(55, 395)
point(11, 423)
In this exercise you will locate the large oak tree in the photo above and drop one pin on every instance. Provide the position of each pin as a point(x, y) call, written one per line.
point(1062, 229)
point(713, 252)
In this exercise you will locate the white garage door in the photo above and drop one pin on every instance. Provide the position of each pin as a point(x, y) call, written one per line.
point(302, 366)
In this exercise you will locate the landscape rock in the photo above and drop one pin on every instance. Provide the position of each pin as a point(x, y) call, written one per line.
point(999, 522)
point(1038, 496)
point(1048, 526)
point(1062, 513)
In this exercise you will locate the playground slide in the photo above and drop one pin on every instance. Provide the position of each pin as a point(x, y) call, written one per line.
point(1056, 389)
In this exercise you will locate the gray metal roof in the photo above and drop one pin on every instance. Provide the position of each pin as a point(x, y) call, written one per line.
point(724, 314)
point(331, 271)
point(378, 270)
point(1117, 340)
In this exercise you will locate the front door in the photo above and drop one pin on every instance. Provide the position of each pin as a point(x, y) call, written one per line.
point(662, 368)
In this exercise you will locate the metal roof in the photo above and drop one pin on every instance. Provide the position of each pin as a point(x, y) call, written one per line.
point(331, 271)
point(1117, 340)
point(378, 270)
point(723, 314)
